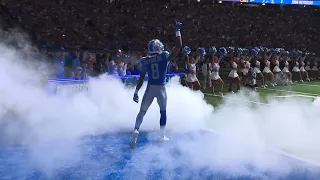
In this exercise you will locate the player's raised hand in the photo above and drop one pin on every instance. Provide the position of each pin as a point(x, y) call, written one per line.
point(136, 97)
point(178, 26)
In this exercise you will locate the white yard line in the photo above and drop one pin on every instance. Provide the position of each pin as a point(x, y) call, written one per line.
point(295, 95)
point(306, 84)
point(296, 92)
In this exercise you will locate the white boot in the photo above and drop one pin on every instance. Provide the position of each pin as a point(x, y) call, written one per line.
point(134, 138)
point(163, 137)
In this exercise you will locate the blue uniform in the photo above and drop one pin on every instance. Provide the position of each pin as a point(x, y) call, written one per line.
point(155, 65)
point(156, 68)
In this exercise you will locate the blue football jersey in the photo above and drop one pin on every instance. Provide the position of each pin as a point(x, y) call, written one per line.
point(156, 67)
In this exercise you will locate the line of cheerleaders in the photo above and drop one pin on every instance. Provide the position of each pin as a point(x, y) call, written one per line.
point(273, 66)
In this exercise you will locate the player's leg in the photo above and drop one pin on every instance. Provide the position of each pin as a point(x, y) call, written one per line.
point(162, 102)
point(145, 104)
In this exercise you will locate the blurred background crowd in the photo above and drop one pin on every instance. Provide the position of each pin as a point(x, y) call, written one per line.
point(83, 38)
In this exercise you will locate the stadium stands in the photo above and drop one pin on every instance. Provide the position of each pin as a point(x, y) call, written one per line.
point(130, 24)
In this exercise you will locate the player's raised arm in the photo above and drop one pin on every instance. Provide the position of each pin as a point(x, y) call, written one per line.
point(186, 51)
point(178, 42)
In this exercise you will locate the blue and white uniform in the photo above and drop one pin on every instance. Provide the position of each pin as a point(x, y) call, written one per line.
point(156, 68)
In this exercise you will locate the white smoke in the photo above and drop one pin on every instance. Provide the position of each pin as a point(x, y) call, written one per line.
point(52, 129)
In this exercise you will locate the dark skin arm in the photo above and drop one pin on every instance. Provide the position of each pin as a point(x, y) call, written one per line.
point(176, 49)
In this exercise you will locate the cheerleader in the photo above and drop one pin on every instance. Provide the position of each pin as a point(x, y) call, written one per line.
point(296, 69)
point(233, 75)
point(286, 71)
point(245, 72)
point(315, 70)
point(192, 79)
point(267, 73)
point(251, 80)
point(242, 66)
point(308, 68)
point(303, 70)
point(276, 70)
point(215, 78)
point(258, 72)
point(256, 64)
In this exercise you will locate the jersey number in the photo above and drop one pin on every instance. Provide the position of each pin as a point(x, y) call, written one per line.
point(155, 71)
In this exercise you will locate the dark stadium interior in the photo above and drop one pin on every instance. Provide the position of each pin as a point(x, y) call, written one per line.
point(130, 24)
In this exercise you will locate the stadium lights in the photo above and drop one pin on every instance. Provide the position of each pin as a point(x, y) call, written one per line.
point(220, 2)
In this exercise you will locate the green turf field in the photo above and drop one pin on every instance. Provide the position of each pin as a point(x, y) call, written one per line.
point(306, 90)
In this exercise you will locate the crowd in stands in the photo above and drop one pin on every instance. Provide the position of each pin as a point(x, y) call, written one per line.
point(81, 25)
point(82, 65)
point(130, 24)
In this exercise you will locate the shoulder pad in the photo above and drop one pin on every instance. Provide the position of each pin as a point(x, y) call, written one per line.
point(166, 53)
point(141, 59)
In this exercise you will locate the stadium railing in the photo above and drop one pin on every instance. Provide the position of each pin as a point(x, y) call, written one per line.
point(70, 86)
